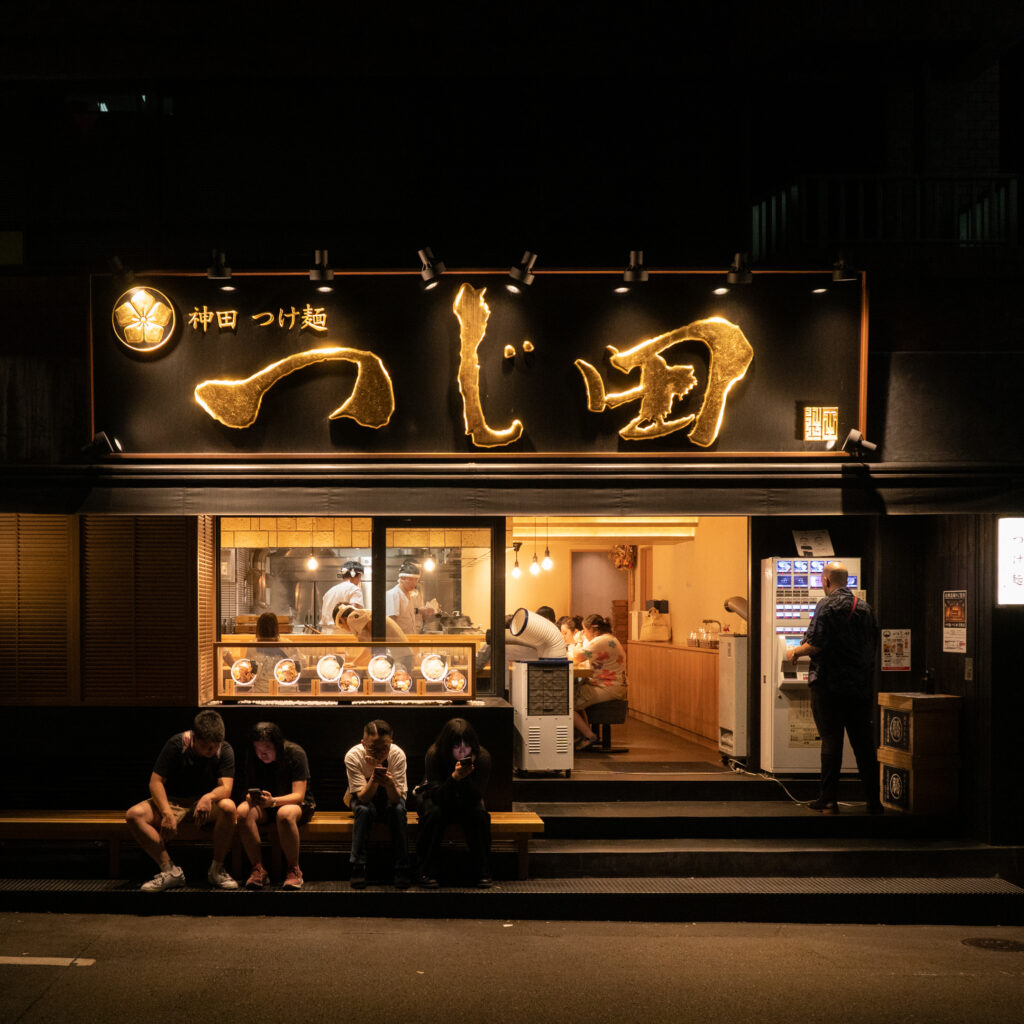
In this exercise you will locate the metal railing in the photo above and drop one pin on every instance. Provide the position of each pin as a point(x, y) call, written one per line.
point(817, 215)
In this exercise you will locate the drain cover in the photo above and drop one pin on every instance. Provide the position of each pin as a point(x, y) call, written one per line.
point(1002, 945)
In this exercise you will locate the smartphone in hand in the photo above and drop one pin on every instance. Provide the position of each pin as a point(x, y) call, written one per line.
point(253, 796)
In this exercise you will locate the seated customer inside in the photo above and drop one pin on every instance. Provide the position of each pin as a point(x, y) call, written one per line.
point(607, 658)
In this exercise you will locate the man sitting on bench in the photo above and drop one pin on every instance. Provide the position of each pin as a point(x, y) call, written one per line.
point(191, 782)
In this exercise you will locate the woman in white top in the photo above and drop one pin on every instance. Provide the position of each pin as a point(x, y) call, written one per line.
point(608, 680)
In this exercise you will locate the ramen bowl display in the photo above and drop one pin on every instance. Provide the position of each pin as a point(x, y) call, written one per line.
point(243, 672)
point(329, 667)
point(349, 681)
point(455, 682)
point(401, 681)
point(381, 668)
point(434, 668)
point(286, 672)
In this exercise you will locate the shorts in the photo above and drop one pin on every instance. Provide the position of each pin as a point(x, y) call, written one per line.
point(269, 814)
point(586, 694)
point(184, 810)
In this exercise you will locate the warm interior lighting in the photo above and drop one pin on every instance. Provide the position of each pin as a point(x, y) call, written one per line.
point(429, 565)
point(548, 562)
point(516, 571)
point(534, 566)
point(311, 563)
point(720, 290)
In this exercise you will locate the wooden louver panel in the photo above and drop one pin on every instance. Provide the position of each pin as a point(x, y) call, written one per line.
point(207, 566)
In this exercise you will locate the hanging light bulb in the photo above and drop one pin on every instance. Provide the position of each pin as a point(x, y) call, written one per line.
point(534, 565)
point(429, 565)
point(311, 563)
point(548, 562)
point(516, 571)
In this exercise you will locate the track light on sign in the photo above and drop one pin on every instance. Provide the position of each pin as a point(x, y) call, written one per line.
point(635, 272)
point(841, 272)
point(102, 444)
point(522, 276)
point(431, 269)
point(219, 271)
point(857, 444)
point(739, 271)
point(320, 273)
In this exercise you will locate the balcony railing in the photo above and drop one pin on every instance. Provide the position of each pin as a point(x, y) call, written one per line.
point(816, 216)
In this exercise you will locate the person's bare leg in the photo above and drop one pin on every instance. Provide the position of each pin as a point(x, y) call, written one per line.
point(583, 726)
point(143, 822)
point(249, 832)
point(223, 828)
point(288, 832)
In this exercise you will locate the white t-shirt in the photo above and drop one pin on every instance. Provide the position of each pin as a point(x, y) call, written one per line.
point(359, 767)
point(404, 608)
point(345, 592)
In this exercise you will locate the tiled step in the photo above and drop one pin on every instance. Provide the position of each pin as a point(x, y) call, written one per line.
point(959, 900)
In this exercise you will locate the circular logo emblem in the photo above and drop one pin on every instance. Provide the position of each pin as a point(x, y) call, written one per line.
point(894, 727)
point(143, 319)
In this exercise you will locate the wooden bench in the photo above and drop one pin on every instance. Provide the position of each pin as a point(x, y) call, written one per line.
point(326, 827)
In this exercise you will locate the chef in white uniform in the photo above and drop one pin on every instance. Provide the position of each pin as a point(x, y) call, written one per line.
point(348, 591)
point(405, 602)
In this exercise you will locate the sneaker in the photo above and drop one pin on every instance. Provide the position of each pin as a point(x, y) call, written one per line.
point(259, 879)
point(357, 879)
point(402, 879)
point(173, 879)
point(220, 879)
point(823, 806)
point(484, 882)
point(293, 880)
point(429, 882)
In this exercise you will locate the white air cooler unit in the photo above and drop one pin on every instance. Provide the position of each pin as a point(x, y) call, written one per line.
point(541, 695)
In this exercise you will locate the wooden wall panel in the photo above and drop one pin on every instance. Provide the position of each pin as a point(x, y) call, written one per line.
point(37, 609)
point(676, 686)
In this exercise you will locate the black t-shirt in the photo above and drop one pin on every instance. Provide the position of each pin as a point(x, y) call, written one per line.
point(844, 631)
point(185, 773)
point(277, 777)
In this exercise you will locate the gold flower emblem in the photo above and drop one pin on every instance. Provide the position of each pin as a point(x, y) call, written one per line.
point(143, 319)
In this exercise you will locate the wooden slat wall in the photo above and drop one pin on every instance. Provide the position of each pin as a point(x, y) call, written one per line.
point(207, 571)
point(139, 610)
point(676, 686)
point(37, 609)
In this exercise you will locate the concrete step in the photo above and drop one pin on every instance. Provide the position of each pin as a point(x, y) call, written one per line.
point(959, 900)
point(789, 858)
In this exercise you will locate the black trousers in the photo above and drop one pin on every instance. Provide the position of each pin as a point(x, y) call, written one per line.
point(434, 819)
point(833, 714)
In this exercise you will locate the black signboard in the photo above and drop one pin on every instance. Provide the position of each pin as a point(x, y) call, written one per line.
point(569, 365)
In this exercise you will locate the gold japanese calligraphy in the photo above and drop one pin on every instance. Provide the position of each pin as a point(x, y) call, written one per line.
point(236, 403)
point(143, 319)
point(661, 384)
point(472, 313)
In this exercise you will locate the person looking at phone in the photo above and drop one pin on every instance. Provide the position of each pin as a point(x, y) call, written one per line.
point(377, 790)
point(276, 778)
point(456, 770)
point(191, 782)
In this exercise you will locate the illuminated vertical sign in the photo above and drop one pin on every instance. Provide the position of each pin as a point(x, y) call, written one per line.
point(1010, 562)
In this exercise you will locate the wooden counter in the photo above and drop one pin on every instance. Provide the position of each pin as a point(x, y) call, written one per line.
point(674, 687)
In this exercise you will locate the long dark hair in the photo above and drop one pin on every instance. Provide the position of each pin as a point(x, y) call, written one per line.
point(454, 732)
point(598, 623)
point(268, 732)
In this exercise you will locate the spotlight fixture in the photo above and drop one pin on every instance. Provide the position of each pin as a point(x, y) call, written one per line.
point(102, 444)
point(521, 276)
point(516, 571)
point(739, 271)
point(841, 272)
point(320, 273)
point(635, 271)
point(857, 444)
point(431, 269)
point(123, 276)
point(429, 565)
point(220, 272)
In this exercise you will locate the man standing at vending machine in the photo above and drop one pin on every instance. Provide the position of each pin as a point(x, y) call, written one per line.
point(841, 641)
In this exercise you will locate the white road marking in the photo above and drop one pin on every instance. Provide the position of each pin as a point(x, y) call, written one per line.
point(46, 961)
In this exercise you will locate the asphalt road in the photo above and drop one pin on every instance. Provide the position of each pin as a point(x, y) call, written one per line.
point(154, 969)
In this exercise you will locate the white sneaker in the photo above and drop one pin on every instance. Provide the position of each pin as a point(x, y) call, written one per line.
point(220, 879)
point(173, 879)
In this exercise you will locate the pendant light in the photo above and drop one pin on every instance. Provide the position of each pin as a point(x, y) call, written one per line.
point(548, 564)
point(516, 571)
point(534, 565)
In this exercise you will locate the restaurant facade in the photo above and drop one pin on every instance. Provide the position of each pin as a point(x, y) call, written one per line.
point(168, 438)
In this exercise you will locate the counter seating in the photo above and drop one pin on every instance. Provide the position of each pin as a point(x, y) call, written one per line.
point(326, 828)
point(602, 717)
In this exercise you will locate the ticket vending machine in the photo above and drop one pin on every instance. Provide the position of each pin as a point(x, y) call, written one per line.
point(790, 590)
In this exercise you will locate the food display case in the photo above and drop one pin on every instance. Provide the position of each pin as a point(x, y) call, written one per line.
point(333, 670)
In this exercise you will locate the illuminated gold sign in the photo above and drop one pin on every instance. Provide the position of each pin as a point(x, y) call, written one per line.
point(472, 313)
point(821, 423)
point(236, 403)
point(143, 319)
point(660, 384)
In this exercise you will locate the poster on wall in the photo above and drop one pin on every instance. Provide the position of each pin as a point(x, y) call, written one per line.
point(954, 621)
point(895, 650)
